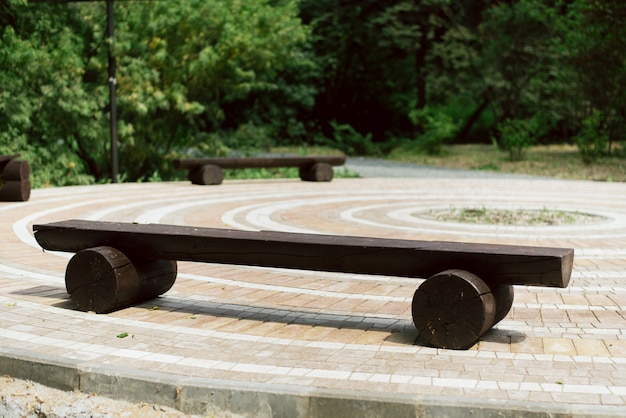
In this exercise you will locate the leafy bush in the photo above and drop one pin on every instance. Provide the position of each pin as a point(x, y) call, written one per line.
point(349, 141)
point(51, 168)
point(438, 128)
point(516, 135)
point(593, 139)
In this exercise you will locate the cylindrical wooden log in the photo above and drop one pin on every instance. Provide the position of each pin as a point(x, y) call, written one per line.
point(453, 309)
point(15, 190)
point(208, 174)
point(6, 159)
point(103, 279)
point(16, 170)
point(503, 295)
point(317, 172)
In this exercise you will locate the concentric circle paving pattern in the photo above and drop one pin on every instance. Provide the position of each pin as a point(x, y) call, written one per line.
point(331, 330)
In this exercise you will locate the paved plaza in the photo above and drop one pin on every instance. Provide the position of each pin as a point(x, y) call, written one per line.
point(253, 341)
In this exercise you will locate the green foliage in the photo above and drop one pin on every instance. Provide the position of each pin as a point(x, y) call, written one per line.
point(522, 60)
point(462, 108)
point(194, 71)
point(372, 60)
point(437, 129)
point(349, 141)
point(516, 135)
point(247, 139)
point(593, 139)
point(217, 77)
point(594, 35)
point(185, 71)
point(47, 112)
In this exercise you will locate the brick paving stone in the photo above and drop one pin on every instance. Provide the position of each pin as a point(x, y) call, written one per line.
point(563, 347)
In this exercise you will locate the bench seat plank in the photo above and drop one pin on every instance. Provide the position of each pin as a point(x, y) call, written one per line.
point(495, 264)
point(258, 162)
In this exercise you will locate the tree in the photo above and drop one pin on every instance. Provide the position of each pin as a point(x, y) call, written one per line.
point(180, 66)
point(521, 62)
point(47, 111)
point(189, 69)
point(595, 37)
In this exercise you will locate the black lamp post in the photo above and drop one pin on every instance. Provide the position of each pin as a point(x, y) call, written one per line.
point(112, 85)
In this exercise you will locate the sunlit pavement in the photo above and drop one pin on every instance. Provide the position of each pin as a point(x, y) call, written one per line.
point(302, 333)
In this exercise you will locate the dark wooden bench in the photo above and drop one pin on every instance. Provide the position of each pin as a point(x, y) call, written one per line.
point(14, 179)
point(468, 290)
point(206, 171)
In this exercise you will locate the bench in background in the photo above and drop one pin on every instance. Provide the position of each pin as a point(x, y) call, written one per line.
point(208, 171)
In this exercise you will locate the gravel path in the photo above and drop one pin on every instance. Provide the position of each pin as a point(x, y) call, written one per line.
point(371, 167)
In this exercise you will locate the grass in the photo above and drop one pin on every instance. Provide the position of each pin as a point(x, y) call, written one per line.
point(278, 173)
point(559, 161)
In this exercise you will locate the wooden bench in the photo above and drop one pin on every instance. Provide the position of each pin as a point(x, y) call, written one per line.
point(208, 171)
point(468, 290)
point(14, 179)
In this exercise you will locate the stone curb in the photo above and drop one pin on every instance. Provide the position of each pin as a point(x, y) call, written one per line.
point(226, 398)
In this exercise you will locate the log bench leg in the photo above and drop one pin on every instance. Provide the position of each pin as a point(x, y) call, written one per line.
point(15, 191)
point(103, 279)
point(503, 295)
point(317, 172)
point(15, 181)
point(453, 309)
point(208, 174)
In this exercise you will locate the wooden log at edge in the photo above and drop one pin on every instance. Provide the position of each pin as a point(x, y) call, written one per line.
point(317, 172)
point(453, 309)
point(16, 170)
point(103, 279)
point(15, 190)
point(208, 174)
point(5, 159)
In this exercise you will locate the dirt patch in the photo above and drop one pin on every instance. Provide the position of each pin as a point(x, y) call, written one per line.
point(23, 398)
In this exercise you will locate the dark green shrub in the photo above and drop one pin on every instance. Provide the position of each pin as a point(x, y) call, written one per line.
point(437, 129)
point(516, 135)
point(593, 138)
point(349, 140)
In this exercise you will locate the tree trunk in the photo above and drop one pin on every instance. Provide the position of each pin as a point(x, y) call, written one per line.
point(463, 134)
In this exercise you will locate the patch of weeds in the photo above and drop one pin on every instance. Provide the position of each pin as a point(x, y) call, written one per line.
point(345, 173)
point(517, 217)
point(487, 167)
point(261, 173)
point(279, 172)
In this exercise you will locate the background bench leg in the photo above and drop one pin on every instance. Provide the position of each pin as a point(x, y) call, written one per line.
point(103, 279)
point(15, 191)
point(453, 309)
point(15, 182)
point(317, 172)
point(209, 174)
point(16, 170)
